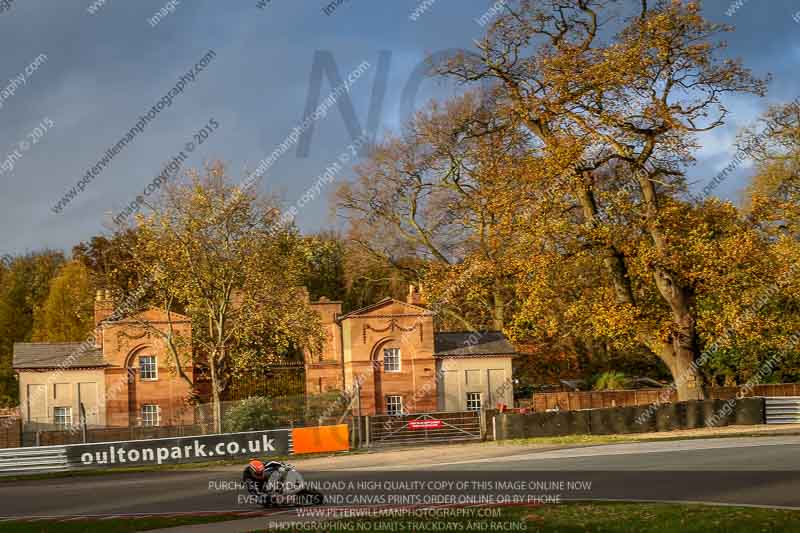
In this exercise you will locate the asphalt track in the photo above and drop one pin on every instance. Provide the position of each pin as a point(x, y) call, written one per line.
point(762, 471)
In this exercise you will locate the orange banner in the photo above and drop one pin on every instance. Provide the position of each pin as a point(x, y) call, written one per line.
point(321, 439)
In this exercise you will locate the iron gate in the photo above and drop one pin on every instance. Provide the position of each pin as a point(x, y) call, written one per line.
point(424, 428)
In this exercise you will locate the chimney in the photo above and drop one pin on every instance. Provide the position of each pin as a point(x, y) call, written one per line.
point(103, 306)
point(415, 295)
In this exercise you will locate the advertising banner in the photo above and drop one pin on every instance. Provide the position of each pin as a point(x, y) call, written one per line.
point(180, 449)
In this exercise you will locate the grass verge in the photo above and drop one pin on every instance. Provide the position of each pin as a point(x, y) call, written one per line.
point(581, 517)
point(632, 437)
point(603, 517)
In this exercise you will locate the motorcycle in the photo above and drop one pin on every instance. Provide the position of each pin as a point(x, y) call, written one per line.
point(276, 483)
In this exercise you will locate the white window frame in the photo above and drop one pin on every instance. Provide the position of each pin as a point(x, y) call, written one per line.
point(147, 420)
point(394, 405)
point(399, 360)
point(66, 419)
point(471, 401)
point(155, 368)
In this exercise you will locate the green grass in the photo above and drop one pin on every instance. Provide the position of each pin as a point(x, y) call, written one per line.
point(110, 526)
point(569, 440)
point(564, 518)
point(657, 518)
point(630, 437)
point(589, 517)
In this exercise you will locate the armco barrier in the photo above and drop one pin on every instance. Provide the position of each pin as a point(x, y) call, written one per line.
point(20, 461)
point(783, 410)
point(622, 420)
point(321, 439)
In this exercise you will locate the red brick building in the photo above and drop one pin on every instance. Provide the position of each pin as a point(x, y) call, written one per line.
point(124, 377)
point(387, 351)
point(390, 354)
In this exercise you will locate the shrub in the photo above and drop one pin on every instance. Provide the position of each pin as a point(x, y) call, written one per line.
point(610, 380)
point(252, 414)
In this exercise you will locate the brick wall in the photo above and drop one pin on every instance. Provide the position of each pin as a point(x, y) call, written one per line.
point(572, 401)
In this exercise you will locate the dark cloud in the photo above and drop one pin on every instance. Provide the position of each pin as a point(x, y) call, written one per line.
point(105, 70)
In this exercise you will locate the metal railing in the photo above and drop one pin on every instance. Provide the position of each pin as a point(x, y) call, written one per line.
point(19, 461)
point(783, 410)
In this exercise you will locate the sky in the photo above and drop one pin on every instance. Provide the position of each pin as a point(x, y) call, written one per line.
point(93, 68)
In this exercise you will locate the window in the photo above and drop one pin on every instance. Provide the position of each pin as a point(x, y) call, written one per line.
point(394, 405)
point(474, 401)
point(151, 415)
point(391, 360)
point(147, 367)
point(62, 416)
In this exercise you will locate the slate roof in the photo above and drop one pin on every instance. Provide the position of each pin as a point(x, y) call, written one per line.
point(56, 355)
point(472, 343)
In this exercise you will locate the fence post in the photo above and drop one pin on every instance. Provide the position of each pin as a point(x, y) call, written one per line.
point(366, 429)
point(83, 421)
point(358, 405)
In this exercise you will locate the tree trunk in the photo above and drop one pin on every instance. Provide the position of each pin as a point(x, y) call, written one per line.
point(498, 307)
point(613, 259)
point(685, 371)
point(216, 405)
point(682, 350)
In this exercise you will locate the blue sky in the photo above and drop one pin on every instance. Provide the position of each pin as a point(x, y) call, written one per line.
point(104, 70)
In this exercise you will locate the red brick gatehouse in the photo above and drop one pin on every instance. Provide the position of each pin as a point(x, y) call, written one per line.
point(387, 351)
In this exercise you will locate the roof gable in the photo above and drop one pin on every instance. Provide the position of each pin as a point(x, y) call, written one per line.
point(387, 307)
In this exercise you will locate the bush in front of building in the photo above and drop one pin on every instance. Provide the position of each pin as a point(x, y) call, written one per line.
point(252, 414)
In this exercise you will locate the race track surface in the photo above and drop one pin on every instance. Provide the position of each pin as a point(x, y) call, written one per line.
point(749, 471)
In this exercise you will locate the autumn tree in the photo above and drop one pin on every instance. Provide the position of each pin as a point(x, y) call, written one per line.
point(369, 277)
point(67, 314)
point(434, 192)
point(774, 192)
point(24, 286)
point(325, 271)
point(109, 259)
point(224, 257)
point(617, 98)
